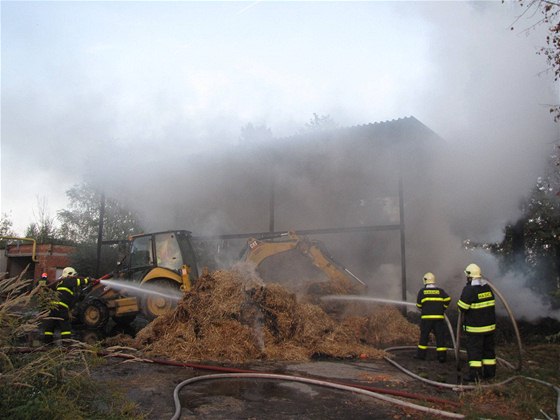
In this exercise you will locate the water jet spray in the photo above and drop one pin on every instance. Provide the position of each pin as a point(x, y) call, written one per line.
point(134, 289)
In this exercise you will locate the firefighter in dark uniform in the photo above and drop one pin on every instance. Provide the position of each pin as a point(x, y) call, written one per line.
point(59, 315)
point(432, 301)
point(45, 293)
point(43, 281)
point(478, 305)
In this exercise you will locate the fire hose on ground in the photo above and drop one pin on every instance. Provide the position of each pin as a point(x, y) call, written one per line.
point(457, 387)
point(271, 376)
point(229, 372)
point(457, 351)
point(235, 371)
point(362, 389)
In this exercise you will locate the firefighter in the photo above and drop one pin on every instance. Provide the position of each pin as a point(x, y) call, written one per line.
point(44, 294)
point(477, 303)
point(432, 301)
point(59, 316)
point(43, 281)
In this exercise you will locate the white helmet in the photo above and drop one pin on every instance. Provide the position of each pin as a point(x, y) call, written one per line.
point(68, 272)
point(473, 271)
point(429, 278)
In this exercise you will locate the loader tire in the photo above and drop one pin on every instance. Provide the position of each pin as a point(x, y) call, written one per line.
point(156, 305)
point(94, 314)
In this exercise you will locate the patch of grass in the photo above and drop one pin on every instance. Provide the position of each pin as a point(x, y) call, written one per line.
point(521, 398)
point(49, 382)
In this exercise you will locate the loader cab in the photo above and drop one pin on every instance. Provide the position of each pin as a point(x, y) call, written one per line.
point(168, 250)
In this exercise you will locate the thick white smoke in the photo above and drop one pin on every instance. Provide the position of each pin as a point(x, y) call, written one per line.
point(155, 120)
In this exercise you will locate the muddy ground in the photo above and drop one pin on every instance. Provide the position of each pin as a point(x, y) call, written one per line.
point(151, 386)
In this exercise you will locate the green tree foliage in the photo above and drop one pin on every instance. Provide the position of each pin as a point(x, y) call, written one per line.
point(43, 229)
point(6, 228)
point(84, 260)
point(80, 223)
point(532, 243)
point(547, 13)
point(6, 225)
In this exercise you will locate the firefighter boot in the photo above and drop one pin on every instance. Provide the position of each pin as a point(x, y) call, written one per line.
point(48, 339)
point(474, 375)
point(442, 356)
point(488, 371)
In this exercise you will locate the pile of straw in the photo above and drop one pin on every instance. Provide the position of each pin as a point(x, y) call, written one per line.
point(228, 316)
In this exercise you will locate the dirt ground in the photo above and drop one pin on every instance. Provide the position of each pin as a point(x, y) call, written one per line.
point(151, 386)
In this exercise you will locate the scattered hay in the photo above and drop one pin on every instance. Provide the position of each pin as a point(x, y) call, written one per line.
point(229, 317)
point(387, 327)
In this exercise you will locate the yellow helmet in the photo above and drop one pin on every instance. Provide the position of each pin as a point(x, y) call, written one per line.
point(68, 272)
point(429, 278)
point(473, 271)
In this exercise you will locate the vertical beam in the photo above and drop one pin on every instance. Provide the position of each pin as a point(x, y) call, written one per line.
point(100, 233)
point(403, 253)
point(272, 199)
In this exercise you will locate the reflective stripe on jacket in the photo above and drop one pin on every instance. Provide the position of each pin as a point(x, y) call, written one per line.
point(478, 304)
point(433, 301)
point(67, 288)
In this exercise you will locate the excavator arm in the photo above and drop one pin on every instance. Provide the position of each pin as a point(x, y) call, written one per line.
point(341, 280)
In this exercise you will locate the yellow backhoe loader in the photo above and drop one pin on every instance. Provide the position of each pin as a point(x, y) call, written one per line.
point(159, 263)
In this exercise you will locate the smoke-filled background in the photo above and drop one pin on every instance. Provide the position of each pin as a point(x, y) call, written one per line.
point(147, 100)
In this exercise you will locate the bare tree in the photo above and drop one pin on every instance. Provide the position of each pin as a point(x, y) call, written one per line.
point(319, 122)
point(548, 14)
point(255, 134)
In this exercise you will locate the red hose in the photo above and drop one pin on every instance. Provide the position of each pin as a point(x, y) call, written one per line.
point(393, 392)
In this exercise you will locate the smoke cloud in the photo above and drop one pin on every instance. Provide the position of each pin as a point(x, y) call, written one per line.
point(151, 111)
